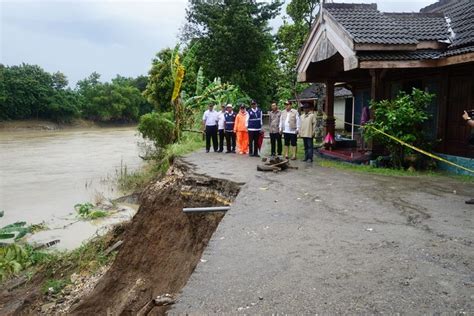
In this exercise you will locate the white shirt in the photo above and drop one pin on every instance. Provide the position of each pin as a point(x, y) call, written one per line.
point(247, 120)
point(210, 118)
point(221, 120)
point(286, 125)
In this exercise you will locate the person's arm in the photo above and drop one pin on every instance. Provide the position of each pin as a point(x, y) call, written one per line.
point(261, 118)
point(204, 121)
point(298, 122)
point(468, 119)
point(314, 125)
point(236, 122)
point(281, 124)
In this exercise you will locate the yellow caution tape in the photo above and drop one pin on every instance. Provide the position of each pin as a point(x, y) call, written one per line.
point(424, 152)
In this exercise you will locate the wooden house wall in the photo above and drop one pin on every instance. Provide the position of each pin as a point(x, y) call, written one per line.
point(454, 92)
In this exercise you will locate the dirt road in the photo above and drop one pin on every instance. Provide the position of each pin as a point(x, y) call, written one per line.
point(318, 240)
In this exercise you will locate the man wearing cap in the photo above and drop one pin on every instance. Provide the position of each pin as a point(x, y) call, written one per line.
point(307, 132)
point(290, 126)
point(229, 118)
point(209, 125)
point(254, 127)
point(240, 130)
point(275, 136)
point(220, 127)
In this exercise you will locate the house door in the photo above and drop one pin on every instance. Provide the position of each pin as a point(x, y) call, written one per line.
point(460, 98)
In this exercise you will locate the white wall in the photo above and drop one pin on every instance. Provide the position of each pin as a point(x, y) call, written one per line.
point(339, 111)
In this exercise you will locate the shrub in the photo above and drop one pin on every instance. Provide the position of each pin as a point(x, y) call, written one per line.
point(157, 128)
point(403, 118)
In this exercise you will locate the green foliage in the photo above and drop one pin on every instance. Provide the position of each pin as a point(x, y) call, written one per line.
point(217, 93)
point(27, 91)
point(235, 43)
point(160, 84)
point(137, 180)
point(403, 118)
point(14, 231)
point(157, 128)
point(117, 101)
point(290, 39)
point(54, 286)
point(15, 257)
point(87, 211)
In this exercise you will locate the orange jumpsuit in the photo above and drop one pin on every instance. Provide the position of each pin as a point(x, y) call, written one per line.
point(241, 132)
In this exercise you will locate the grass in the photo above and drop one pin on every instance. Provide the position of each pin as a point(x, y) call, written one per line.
point(137, 180)
point(54, 286)
point(327, 163)
point(388, 171)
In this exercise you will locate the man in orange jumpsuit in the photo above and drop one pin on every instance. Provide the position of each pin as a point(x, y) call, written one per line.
point(241, 132)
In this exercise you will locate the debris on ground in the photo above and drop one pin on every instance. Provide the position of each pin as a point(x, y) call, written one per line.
point(275, 164)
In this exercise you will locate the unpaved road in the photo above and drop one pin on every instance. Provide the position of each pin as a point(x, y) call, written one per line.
point(319, 240)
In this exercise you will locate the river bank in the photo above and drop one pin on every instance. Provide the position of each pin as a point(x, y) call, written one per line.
point(45, 125)
point(45, 172)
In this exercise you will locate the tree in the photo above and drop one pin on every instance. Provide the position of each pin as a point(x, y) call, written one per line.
point(26, 92)
point(235, 43)
point(59, 80)
point(160, 78)
point(160, 82)
point(290, 39)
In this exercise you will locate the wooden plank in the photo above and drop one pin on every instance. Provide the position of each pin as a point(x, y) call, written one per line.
point(452, 60)
point(385, 47)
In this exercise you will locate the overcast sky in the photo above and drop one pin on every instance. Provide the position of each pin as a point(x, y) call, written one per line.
point(111, 37)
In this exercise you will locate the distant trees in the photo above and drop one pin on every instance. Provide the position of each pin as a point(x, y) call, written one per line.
point(235, 43)
point(290, 40)
point(27, 91)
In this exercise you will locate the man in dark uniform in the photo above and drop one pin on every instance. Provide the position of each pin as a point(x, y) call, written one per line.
point(229, 117)
point(254, 127)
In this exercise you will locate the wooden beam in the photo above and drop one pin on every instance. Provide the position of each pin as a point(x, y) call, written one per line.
point(458, 59)
point(385, 47)
point(431, 45)
point(377, 64)
point(448, 61)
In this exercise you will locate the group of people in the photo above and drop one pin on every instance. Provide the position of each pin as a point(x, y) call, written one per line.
point(243, 131)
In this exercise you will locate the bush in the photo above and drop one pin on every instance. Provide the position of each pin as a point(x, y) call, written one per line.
point(403, 118)
point(157, 128)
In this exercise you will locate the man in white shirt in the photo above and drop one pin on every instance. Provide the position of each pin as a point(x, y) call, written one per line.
point(209, 126)
point(290, 126)
point(221, 127)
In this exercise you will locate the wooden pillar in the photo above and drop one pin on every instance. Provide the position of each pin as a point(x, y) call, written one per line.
point(330, 120)
point(376, 88)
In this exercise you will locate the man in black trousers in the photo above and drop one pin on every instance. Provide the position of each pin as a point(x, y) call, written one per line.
point(229, 118)
point(254, 127)
point(209, 126)
point(275, 136)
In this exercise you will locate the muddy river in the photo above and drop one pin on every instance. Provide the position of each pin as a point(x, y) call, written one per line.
point(43, 174)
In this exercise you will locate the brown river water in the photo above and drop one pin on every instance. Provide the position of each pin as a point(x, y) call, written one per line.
point(43, 174)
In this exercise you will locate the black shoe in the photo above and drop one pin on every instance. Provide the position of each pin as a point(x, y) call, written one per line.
point(233, 151)
point(256, 155)
point(471, 201)
point(207, 150)
point(221, 150)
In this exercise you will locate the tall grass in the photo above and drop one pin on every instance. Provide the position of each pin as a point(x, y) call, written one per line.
point(137, 180)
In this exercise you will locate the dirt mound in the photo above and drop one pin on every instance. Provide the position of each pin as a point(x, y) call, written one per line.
point(162, 245)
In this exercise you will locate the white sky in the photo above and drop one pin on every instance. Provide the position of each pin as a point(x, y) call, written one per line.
point(111, 37)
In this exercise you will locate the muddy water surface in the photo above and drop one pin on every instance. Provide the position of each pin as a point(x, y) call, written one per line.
point(43, 174)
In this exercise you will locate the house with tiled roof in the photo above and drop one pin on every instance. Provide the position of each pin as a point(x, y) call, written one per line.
point(377, 54)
